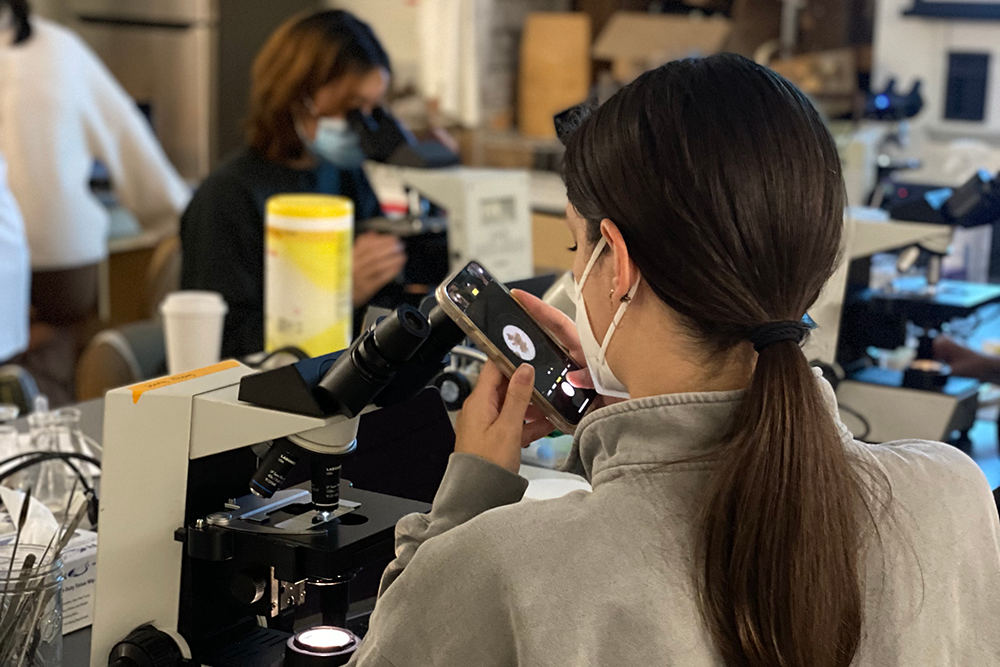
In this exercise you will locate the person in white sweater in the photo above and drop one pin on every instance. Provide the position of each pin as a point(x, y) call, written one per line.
point(15, 274)
point(60, 110)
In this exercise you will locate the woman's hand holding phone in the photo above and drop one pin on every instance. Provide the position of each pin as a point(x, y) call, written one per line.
point(492, 422)
point(563, 329)
point(498, 419)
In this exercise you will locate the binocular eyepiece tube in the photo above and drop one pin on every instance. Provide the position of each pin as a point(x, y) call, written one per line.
point(350, 385)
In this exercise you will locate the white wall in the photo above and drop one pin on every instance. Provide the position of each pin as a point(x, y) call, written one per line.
point(55, 10)
point(909, 47)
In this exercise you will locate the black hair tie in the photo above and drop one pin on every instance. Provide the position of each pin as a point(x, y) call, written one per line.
point(768, 334)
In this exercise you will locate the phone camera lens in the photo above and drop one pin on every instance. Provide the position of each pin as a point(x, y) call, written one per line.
point(457, 297)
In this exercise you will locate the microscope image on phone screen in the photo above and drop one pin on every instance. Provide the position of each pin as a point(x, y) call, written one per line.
point(519, 342)
point(506, 324)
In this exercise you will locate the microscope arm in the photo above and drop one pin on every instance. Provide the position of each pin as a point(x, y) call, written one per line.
point(939, 244)
point(387, 364)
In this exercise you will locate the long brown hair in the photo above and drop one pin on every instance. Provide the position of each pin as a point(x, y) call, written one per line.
point(301, 56)
point(727, 189)
point(21, 15)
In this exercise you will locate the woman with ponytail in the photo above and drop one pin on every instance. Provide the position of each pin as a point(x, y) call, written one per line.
point(733, 520)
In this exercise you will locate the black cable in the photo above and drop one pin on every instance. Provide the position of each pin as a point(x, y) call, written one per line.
point(79, 475)
point(857, 415)
point(291, 349)
point(41, 457)
point(93, 504)
point(68, 455)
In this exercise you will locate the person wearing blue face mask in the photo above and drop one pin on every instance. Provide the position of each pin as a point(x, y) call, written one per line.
point(311, 73)
point(334, 140)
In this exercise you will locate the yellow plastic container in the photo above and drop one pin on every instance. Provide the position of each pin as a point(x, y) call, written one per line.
point(307, 272)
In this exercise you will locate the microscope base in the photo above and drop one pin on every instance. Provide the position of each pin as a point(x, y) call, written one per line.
point(270, 559)
point(264, 647)
point(898, 413)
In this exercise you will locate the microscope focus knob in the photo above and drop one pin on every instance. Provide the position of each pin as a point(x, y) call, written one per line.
point(247, 589)
point(146, 647)
point(455, 387)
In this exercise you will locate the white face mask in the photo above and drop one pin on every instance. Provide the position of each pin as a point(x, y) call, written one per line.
point(604, 379)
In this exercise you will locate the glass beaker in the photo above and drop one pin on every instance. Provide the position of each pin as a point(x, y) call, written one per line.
point(31, 614)
point(51, 481)
point(9, 412)
point(9, 442)
point(10, 446)
point(72, 439)
point(882, 273)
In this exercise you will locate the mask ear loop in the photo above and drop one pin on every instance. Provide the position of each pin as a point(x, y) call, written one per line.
point(593, 260)
point(626, 300)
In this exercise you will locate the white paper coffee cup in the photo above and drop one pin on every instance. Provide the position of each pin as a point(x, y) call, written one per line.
point(193, 323)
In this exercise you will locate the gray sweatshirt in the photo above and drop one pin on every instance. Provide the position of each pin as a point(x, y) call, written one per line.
point(607, 578)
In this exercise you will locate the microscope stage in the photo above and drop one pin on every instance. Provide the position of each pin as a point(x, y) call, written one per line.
point(285, 532)
point(287, 513)
point(953, 298)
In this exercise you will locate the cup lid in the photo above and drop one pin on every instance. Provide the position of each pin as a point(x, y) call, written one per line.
point(194, 302)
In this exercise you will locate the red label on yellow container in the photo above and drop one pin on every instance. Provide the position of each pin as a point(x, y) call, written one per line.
point(139, 389)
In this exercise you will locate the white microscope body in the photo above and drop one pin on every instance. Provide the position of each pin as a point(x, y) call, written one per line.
point(151, 435)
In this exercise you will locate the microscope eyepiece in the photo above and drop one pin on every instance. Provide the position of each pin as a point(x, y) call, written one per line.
point(372, 362)
point(427, 362)
point(401, 334)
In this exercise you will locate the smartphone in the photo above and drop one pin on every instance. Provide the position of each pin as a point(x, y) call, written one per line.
point(485, 310)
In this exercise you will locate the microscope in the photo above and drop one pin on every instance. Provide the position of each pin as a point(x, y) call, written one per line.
point(453, 214)
point(209, 554)
point(923, 400)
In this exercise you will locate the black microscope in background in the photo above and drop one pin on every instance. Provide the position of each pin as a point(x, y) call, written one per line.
point(883, 318)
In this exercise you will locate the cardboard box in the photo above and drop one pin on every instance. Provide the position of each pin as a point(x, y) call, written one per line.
point(551, 240)
point(635, 42)
point(79, 581)
point(510, 150)
point(830, 77)
point(823, 73)
point(555, 69)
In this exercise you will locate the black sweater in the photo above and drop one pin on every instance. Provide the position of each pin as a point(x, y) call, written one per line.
point(222, 235)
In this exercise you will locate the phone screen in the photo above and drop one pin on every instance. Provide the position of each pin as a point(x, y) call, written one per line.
point(508, 326)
